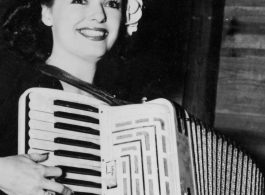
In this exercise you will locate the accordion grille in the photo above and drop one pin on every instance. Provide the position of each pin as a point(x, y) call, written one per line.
point(220, 166)
point(239, 173)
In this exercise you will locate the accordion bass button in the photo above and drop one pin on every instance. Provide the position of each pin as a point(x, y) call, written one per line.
point(144, 100)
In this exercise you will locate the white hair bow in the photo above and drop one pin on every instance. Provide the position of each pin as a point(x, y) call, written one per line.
point(133, 15)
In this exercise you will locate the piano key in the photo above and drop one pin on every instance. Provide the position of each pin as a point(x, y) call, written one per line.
point(50, 100)
point(73, 164)
point(63, 159)
point(50, 136)
point(80, 170)
point(92, 178)
point(47, 117)
point(79, 143)
point(51, 146)
point(76, 128)
point(78, 155)
point(82, 189)
point(41, 116)
point(72, 130)
point(50, 108)
point(76, 105)
point(77, 117)
point(78, 182)
point(84, 193)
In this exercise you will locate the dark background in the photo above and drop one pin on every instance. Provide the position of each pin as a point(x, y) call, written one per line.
point(159, 49)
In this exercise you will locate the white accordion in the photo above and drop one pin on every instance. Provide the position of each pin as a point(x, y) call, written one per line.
point(154, 148)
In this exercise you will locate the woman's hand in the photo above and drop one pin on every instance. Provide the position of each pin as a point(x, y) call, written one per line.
point(21, 175)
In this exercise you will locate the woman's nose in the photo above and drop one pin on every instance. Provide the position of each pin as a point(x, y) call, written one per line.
point(96, 12)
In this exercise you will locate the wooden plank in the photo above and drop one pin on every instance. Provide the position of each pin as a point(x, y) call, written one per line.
point(244, 41)
point(260, 3)
point(244, 19)
point(235, 11)
point(241, 86)
point(231, 124)
point(239, 26)
point(242, 52)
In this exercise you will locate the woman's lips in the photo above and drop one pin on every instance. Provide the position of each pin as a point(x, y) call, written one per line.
point(95, 34)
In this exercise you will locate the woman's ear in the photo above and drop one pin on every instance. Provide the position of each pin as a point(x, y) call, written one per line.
point(46, 16)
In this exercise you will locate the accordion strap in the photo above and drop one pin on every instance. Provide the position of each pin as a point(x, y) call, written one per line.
point(55, 72)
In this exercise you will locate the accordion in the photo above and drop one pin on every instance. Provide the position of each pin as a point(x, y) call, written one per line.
point(154, 148)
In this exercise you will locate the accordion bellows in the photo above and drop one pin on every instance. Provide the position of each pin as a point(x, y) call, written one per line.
point(155, 148)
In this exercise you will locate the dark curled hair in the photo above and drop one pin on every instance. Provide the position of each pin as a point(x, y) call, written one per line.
point(23, 30)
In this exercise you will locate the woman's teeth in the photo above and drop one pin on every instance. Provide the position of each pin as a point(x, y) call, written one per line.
point(92, 33)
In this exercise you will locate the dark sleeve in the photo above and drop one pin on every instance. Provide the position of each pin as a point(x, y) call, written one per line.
point(10, 71)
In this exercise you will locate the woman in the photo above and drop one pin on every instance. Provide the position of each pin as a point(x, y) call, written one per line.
point(82, 31)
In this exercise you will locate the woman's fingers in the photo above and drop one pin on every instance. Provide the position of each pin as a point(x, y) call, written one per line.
point(46, 170)
point(56, 187)
point(21, 175)
point(52, 172)
point(37, 157)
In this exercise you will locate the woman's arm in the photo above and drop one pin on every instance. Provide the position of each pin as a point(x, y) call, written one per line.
point(22, 175)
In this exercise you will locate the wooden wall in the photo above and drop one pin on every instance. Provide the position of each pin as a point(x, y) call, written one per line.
point(240, 109)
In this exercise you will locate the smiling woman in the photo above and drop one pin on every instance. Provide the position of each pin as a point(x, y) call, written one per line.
point(82, 33)
point(72, 35)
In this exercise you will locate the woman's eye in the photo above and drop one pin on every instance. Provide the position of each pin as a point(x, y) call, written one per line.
point(83, 2)
point(113, 4)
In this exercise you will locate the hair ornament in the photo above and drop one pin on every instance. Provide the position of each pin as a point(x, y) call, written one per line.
point(133, 15)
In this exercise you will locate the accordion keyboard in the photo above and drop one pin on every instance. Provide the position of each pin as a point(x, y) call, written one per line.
point(143, 143)
point(69, 131)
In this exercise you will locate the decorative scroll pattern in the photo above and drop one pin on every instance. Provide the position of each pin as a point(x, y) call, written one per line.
point(149, 164)
point(161, 121)
point(151, 187)
point(124, 124)
point(147, 153)
point(125, 187)
point(147, 142)
point(124, 136)
point(164, 144)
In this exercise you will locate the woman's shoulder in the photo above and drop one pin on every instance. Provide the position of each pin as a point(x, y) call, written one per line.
point(17, 75)
point(12, 68)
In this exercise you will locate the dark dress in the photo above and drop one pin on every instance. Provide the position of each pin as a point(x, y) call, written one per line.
point(16, 76)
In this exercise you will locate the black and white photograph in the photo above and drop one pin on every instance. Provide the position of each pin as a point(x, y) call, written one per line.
point(132, 97)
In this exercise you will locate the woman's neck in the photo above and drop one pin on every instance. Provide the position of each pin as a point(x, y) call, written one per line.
point(83, 69)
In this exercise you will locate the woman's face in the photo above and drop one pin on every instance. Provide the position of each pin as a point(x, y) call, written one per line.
point(85, 28)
